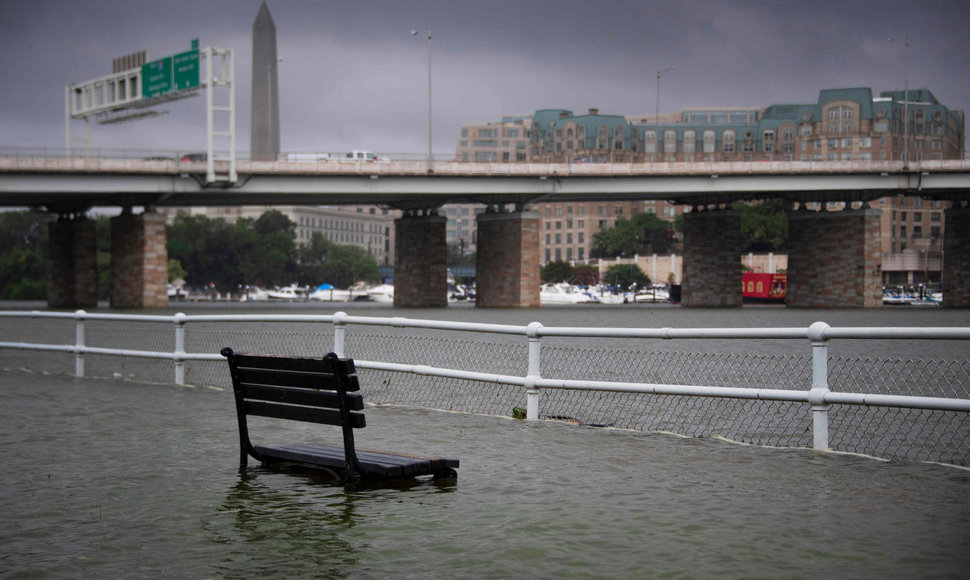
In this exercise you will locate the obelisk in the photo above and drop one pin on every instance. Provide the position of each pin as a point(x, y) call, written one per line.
point(265, 121)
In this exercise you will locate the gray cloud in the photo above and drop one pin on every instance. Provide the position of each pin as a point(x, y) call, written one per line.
point(352, 76)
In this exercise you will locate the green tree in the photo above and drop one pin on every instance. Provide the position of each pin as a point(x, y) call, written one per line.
point(624, 275)
point(764, 225)
point(555, 272)
point(176, 271)
point(323, 261)
point(23, 255)
point(644, 233)
point(208, 249)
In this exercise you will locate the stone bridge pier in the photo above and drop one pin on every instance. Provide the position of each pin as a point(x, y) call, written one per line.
point(73, 277)
point(507, 260)
point(139, 261)
point(956, 257)
point(712, 258)
point(420, 260)
point(834, 259)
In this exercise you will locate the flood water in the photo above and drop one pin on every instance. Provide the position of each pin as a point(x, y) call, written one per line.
point(114, 478)
point(110, 478)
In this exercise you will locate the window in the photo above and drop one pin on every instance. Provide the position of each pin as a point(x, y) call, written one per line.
point(710, 141)
point(840, 120)
point(768, 141)
point(690, 141)
point(865, 141)
point(670, 141)
point(788, 135)
point(728, 139)
point(649, 141)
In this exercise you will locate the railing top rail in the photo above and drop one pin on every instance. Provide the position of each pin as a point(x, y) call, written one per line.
point(818, 331)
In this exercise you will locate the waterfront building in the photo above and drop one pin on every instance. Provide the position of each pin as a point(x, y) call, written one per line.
point(846, 124)
point(498, 142)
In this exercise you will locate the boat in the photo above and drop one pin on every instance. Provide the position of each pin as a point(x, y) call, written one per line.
point(291, 292)
point(758, 288)
point(562, 293)
point(652, 295)
point(383, 293)
point(329, 293)
point(254, 294)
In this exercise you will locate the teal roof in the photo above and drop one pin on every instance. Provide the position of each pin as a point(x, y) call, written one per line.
point(861, 96)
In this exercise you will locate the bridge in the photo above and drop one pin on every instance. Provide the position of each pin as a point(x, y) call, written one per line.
point(834, 262)
point(80, 183)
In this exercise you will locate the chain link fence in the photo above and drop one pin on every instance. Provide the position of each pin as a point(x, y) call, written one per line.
point(885, 432)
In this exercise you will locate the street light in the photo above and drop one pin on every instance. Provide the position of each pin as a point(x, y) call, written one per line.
point(905, 99)
point(427, 34)
point(656, 118)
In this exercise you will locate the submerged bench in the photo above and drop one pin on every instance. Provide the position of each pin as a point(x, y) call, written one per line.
point(319, 390)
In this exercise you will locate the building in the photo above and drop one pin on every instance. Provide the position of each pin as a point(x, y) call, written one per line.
point(848, 124)
point(502, 142)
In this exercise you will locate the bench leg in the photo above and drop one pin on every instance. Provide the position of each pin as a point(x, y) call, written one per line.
point(446, 475)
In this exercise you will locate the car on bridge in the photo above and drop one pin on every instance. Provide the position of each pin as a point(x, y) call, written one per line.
point(363, 156)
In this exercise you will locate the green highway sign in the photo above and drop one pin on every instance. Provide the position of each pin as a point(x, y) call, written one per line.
point(172, 73)
point(185, 70)
point(156, 77)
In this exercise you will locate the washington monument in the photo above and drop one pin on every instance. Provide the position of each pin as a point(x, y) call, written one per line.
point(265, 122)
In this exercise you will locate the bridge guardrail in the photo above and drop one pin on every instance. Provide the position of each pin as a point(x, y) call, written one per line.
point(915, 410)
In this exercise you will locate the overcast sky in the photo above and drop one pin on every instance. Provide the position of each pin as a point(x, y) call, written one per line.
point(353, 77)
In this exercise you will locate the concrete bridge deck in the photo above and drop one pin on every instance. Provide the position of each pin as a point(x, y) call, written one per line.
point(53, 181)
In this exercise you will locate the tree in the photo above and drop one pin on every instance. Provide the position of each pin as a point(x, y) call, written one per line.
point(625, 275)
point(644, 233)
point(323, 261)
point(764, 225)
point(23, 255)
point(555, 272)
point(584, 275)
point(210, 250)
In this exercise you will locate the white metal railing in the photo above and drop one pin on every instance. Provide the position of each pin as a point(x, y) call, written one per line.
point(817, 395)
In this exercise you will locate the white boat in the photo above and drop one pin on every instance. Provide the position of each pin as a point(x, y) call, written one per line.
point(327, 293)
point(383, 293)
point(563, 294)
point(254, 294)
point(291, 292)
point(653, 294)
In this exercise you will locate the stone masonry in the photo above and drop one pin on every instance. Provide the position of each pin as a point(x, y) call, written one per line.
point(835, 259)
point(712, 263)
point(73, 278)
point(956, 258)
point(139, 261)
point(508, 260)
point(420, 265)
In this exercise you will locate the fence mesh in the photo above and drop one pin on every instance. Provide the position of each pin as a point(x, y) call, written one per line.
point(892, 433)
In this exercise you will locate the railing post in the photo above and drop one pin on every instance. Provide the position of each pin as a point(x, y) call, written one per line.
point(534, 372)
point(820, 386)
point(339, 333)
point(179, 320)
point(79, 343)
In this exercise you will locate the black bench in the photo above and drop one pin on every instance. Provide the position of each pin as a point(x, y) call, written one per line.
point(319, 390)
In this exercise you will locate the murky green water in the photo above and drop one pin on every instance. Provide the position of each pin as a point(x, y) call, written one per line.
point(107, 478)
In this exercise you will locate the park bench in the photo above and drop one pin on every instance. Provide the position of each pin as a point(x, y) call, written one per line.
point(318, 390)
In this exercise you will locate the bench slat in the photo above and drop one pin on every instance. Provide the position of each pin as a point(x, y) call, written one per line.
point(328, 399)
point(378, 463)
point(312, 365)
point(295, 378)
point(294, 413)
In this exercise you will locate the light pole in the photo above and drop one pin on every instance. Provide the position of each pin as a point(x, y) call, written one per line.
point(905, 99)
point(427, 34)
point(656, 118)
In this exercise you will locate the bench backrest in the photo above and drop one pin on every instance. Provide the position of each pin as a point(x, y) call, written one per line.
point(319, 390)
